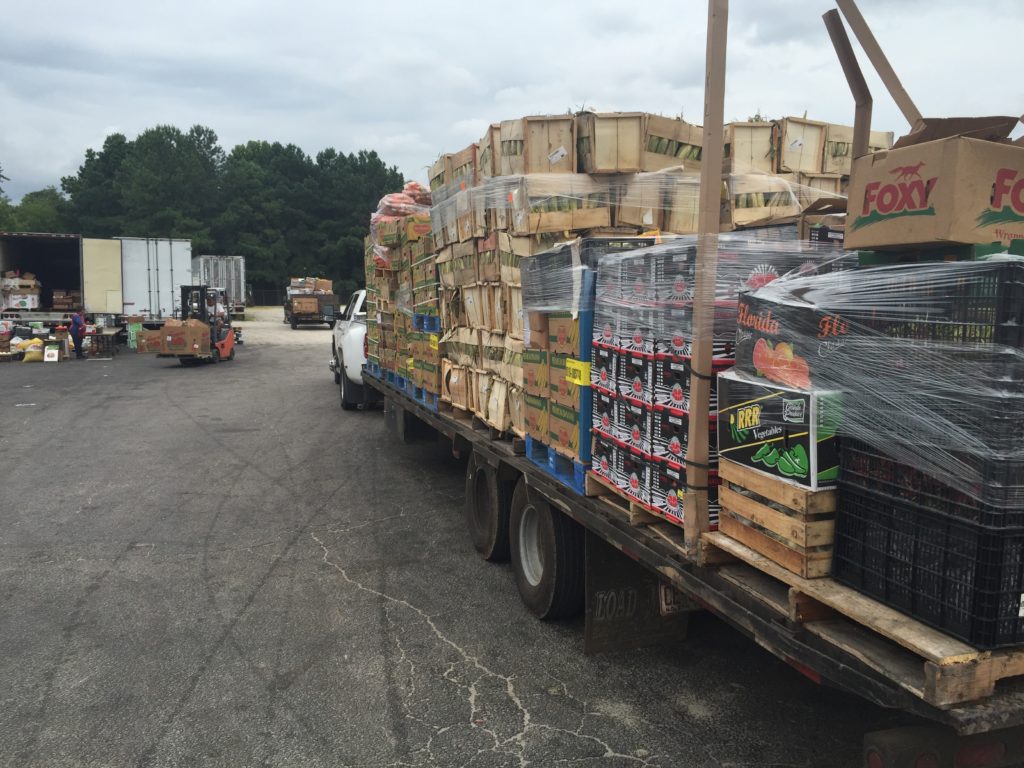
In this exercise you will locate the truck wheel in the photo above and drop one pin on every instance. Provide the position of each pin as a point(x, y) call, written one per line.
point(487, 506)
point(294, 324)
point(547, 556)
point(337, 369)
point(350, 399)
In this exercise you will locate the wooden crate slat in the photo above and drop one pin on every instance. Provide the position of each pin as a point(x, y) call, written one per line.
point(798, 533)
point(806, 565)
point(929, 643)
point(787, 494)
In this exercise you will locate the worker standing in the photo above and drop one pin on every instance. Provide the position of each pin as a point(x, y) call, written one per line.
point(77, 332)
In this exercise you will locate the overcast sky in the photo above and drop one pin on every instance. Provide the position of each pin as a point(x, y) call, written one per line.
point(413, 79)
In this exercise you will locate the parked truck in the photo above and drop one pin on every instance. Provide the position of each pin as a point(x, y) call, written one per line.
point(310, 301)
point(226, 273)
point(113, 277)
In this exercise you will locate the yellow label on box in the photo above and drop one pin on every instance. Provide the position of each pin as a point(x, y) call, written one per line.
point(434, 341)
point(577, 372)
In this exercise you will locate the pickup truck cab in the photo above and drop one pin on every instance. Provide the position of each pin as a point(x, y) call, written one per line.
point(348, 351)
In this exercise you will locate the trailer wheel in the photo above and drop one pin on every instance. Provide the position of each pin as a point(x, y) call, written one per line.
point(487, 509)
point(547, 556)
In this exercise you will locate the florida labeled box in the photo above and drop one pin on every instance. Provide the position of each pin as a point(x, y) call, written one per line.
point(782, 431)
point(956, 189)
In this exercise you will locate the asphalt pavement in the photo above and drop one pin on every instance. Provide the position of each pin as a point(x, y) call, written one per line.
point(216, 566)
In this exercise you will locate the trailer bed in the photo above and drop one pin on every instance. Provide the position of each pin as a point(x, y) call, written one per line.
point(827, 632)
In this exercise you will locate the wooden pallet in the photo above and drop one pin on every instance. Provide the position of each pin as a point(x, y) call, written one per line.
point(935, 667)
point(792, 526)
point(609, 494)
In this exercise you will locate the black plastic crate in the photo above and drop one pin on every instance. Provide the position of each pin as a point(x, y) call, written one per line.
point(960, 577)
point(995, 500)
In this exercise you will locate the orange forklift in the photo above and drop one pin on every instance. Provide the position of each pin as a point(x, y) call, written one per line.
point(208, 306)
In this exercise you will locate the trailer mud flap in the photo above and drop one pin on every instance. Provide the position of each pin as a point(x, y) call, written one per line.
point(627, 606)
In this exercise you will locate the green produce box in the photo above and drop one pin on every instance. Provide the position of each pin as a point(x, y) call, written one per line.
point(781, 431)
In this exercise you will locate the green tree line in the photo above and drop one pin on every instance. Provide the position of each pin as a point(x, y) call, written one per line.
point(288, 213)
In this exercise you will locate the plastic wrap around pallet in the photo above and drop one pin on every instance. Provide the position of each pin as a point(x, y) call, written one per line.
point(665, 201)
point(929, 359)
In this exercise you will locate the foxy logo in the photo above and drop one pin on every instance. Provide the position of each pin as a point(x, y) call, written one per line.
point(764, 323)
point(1006, 201)
point(907, 171)
point(908, 195)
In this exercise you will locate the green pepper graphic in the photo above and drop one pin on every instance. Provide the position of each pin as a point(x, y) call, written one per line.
point(798, 456)
point(771, 458)
point(762, 452)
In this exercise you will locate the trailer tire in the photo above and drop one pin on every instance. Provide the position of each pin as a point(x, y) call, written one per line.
point(487, 511)
point(547, 550)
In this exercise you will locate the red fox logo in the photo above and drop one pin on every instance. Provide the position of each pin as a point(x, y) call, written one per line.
point(908, 171)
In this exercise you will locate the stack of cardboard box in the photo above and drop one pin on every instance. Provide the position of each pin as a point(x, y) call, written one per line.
point(19, 291)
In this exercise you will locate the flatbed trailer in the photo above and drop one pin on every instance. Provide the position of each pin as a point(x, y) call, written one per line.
point(825, 631)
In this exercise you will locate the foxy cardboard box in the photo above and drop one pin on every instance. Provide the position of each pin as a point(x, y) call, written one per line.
point(956, 180)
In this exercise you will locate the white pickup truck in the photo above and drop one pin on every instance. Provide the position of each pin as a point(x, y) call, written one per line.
point(348, 352)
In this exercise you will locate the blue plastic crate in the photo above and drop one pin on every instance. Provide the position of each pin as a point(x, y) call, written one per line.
point(426, 323)
point(425, 398)
point(562, 468)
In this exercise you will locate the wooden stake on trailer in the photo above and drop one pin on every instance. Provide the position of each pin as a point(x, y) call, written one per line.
point(855, 79)
point(695, 508)
point(878, 59)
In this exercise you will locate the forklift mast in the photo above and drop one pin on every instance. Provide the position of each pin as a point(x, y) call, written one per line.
point(193, 303)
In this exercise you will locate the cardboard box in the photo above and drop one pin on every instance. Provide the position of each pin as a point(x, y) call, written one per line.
point(21, 300)
point(190, 338)
point(427, 375)
point(635, 376)
point(633, 475)
point(668, 489)
point(150, 340)
point(828, 214)
point(634, 425)
point(564, 335)
point(839, 147)
point(482, 381)
point(781, 431)
point(476, 301)
point(517, 410)
point(606, 413)
point(537, 417)
point(603, 458)
point(535, 372)
point(512, 299)
point(951, 190)
point(562, 390)
point(749, 148)
point(549, 203)
point(670, 142)
point(538, 144)
point(603, 369)
point(641, 203)
point(489, 152)
point(610, 142)
point(440, 173)
point(757, 201)
point(488, 265)
point(800, 145)
point(498, 415)
point(463, 167)
point(564, 432)
point(535, 330)
point(462, 347)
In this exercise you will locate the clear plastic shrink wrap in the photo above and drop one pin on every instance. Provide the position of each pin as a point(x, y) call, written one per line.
point(929, 360)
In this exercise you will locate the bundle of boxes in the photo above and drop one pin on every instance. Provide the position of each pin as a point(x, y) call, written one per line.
point(402, 292)
point(19, 291)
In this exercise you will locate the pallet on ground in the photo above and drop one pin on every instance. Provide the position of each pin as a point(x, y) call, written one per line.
point(792, 526)
point(562, 468)
point(615, 498)
point(940, 669)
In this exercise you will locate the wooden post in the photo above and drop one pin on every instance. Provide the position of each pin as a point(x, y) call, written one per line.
point(855, 79)
point(878, 59)
point(695, 509)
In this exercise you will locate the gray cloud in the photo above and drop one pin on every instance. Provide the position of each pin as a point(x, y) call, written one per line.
point(412, 79)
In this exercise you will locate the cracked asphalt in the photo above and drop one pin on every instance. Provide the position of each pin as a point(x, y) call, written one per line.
point(218, 567)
